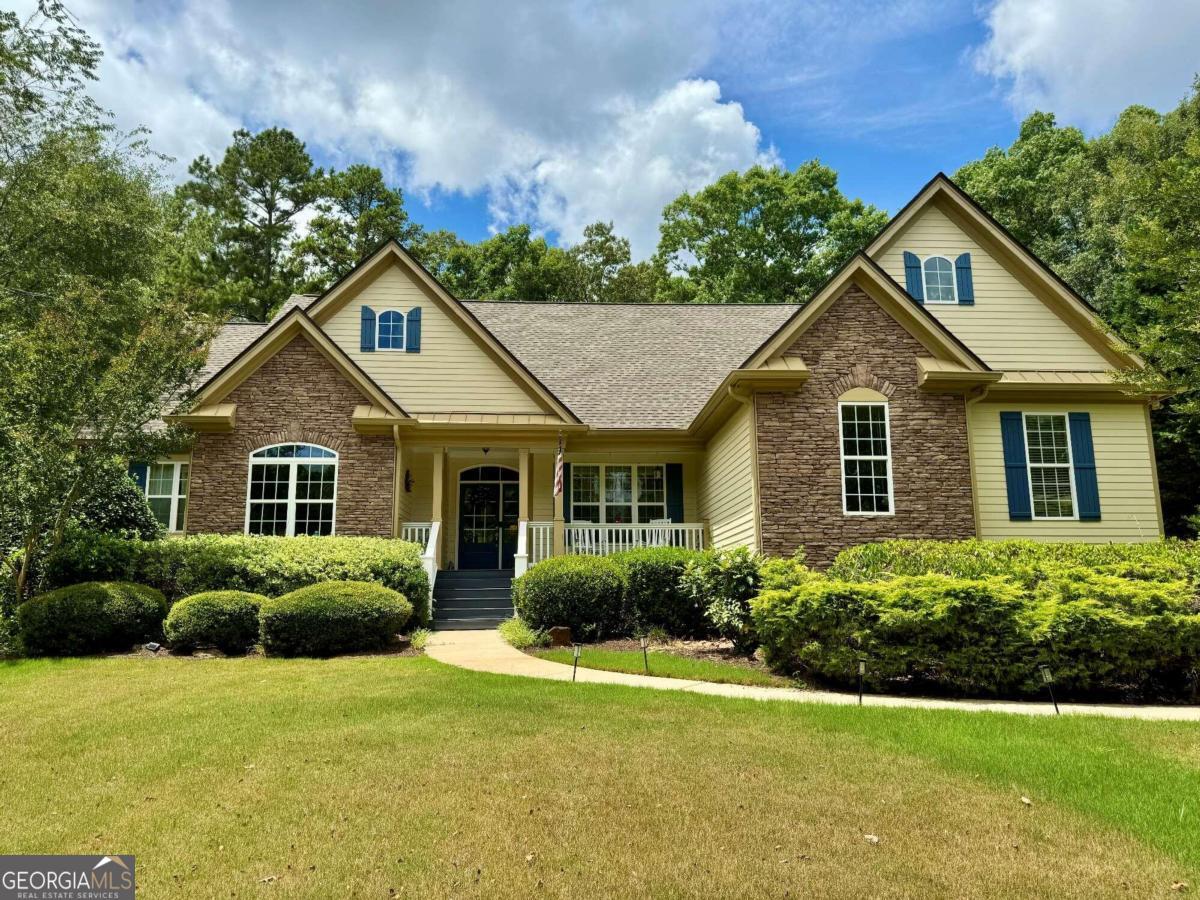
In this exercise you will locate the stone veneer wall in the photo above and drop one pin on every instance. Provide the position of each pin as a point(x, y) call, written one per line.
point(857, 344)
point(297, 395)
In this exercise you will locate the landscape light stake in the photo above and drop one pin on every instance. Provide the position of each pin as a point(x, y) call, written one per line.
point(1049, 680)
point(575, 662)
point(645, 656)
point(862, 670)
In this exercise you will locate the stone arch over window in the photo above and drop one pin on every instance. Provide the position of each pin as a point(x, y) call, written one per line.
point(861, 377)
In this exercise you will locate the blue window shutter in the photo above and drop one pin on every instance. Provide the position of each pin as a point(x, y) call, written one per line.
point(566, 492)
point(1016, 476)
point(367, 343)
point(140, 473)
point(412, 331)
point(675, 492)
point(1083, 457)
point(912, 277)
point(966, 285)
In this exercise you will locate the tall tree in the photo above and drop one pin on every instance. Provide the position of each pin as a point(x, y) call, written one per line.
point(93, 345)
point(254, 197)
point(356, 212)
point(761, 236)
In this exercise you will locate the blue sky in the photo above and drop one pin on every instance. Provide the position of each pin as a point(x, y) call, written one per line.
point(563, 112)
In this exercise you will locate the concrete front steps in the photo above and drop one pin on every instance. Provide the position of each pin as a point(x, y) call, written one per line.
point(472, 599)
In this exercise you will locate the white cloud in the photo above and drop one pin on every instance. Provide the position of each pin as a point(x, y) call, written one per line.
point(564, 112)
point(1087, 60)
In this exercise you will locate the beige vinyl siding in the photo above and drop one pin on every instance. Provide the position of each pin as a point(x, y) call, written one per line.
point(727, 483)
point(1124, 472)
point(1008, 326)
point(452, 373)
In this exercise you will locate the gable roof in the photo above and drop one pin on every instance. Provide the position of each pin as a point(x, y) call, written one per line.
point(1058, 295)
point(391, 252)
point(632, 365)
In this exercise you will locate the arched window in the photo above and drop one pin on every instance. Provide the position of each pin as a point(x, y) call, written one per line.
point(939, 280)
point(391, 330)
point(292, 490)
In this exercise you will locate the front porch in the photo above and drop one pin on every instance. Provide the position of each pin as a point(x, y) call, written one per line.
point(494, 508)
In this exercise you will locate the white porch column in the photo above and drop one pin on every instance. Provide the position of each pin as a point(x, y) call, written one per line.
point(438, 505)
point(524, 487)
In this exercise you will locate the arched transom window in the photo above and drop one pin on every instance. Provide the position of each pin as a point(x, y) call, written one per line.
point(939, 280)
point(292, 490)
point(391, 330)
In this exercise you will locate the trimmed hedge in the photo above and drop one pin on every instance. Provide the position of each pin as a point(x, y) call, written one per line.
point(1101, 635)
point(585, 593)
point(332, 617)
point(227, 620)
point(90, 618)
point(654, 597)
point(262, 565)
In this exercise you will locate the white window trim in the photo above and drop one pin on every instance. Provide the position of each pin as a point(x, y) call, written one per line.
point(891, 480)
point(953, 281)
point(403, 330)
point(292, 463)
point(1070, 465)
point(175, 497)
point(634, 503)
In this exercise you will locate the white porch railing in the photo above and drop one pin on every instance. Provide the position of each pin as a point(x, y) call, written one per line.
point(429, 558)
point(521, 557)
point(417, 532)
point(541, 541)
point(601, 540)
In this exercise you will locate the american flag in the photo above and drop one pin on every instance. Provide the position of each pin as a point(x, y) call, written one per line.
point(558, 474)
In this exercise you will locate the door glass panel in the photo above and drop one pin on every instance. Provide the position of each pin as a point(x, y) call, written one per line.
point(480, 513)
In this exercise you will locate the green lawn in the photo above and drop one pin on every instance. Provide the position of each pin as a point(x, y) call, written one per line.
point(665, 665)
point(378, 776)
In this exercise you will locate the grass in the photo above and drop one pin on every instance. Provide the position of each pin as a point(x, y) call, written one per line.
point(393, 776)
point(665, 665)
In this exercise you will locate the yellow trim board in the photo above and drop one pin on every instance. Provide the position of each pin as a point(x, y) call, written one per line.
point(966, 213)
point(391, 253)
point(942, 376)
point(219, 417)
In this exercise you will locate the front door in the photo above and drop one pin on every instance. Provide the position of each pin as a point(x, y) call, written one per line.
point(488, 506)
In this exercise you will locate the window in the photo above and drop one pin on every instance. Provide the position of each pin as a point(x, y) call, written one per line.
point(866, 459)
point(939, 280)
point(166, 492)
point(292, 490)
point(391, 330)
point(1051, 478)
point(618, 495)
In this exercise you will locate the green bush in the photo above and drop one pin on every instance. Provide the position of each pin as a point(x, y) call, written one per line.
point(227, 620)
point(780, 573)
point(1100, 635)
point(723, 581)
point(654, 597)
point(262, 565)
point(90, 618)
point(10, 642)
point(332, 617)
point(584, 593)
point(518, 633)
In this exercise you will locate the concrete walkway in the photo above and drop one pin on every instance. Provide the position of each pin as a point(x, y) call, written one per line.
point(486, 651)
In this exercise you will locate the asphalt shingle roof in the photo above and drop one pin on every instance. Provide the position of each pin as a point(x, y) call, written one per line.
point(631, 366)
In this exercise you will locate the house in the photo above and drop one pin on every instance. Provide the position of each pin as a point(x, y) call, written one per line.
point(943, 384)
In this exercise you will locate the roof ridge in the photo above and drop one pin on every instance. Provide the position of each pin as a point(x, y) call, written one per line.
point(673, 304)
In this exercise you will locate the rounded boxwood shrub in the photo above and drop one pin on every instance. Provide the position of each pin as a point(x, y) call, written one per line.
point(227, 620)
point(332, 617)
point(654, 597)
point(584, 593)
point(90, 618)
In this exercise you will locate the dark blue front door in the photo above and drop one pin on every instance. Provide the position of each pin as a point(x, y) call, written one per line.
point(488, 503)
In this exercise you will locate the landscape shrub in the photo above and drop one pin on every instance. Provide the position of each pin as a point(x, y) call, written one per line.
point(90, 618)
point(518, 633)
point(10, 642)
point(419, 638)
point(332, 617)
point(584, 593)
point(262, 565)
point(724, 581)
point(655, 598)
point(782, 572)
point(227, 620)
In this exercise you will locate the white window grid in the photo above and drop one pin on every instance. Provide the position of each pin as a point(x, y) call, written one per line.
point(286, 472)
point(873, 458)
point(390, 327)
point(174, 491)
point(647, 497)
point(939, 286)
point(1064, 472)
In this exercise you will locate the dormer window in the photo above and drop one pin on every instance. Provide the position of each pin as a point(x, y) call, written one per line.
point(391, 330)
point(939, 280)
